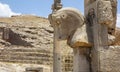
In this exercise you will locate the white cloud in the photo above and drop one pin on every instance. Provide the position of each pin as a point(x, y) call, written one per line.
point(5, 11)
point(118, 20)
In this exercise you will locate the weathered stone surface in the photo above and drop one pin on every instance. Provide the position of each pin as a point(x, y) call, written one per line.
point(34, 69)
point(17, 67)
point(110, 59)
point(30, 42)
point(67, 20)
point(111, 39)
point(104, 14)
point(114, 12)
point(80, 38)
point(81, 63)
point(117, 35)
point(29, 31)
point(71, 26)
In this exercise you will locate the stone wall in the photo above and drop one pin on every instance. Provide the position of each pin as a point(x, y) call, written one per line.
point(110, 59)
point(19, 67)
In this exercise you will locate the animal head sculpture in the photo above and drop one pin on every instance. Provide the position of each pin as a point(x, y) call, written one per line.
point(71, 26)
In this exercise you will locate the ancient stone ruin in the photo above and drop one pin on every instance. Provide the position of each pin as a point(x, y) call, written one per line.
point(84, 43)
point(26, 41)
point(31, 54)
point(89, 35)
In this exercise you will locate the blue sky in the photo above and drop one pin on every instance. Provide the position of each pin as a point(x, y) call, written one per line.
point(39, 7)
point(42, 7)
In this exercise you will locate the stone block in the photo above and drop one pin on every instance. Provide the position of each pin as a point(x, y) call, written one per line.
point(80, 38)
point(6, 32)
point(37, 69)
point(105, 15)
point(110, 59)
point(33, 69)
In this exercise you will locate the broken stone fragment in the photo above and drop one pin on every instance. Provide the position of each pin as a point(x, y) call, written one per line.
point(71, 26)
point(104, 10)
point(67, 20)
point(79, 38)
point(111, 39)
point(114, 12)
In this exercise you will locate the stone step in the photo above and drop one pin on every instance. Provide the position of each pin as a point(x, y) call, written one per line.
point(25, 55)
point(35, 54)
point(25, 61)
point(24, 50)
point(15, 57)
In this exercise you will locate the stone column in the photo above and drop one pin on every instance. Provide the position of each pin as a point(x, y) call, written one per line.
point(99, 16)
point(80, 60)
point(56, 51)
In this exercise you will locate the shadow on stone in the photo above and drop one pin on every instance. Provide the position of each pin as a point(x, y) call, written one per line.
point(14, 38)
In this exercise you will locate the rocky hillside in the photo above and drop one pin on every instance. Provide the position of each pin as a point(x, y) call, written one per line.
point(26, 39)
point(29, 40)
point(29, 30)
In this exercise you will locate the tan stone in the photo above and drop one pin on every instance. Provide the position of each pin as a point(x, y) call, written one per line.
point(114, 12)
point(79, 39)
point(111, 39)
point(110, 59)
point(68, 20)
point(104, 14)
point(71, 26)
